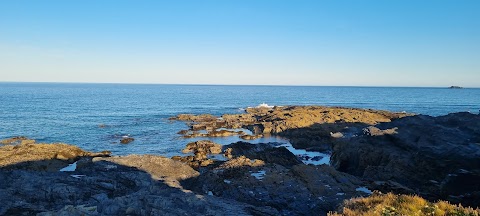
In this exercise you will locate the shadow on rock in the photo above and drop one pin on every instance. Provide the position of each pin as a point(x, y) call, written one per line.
point(124, 185)
point(274, 180)
point(436, 157)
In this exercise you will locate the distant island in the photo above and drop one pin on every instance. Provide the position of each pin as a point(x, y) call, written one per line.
point(455, 87)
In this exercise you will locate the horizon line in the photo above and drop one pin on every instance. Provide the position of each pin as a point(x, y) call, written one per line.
point(217, 84)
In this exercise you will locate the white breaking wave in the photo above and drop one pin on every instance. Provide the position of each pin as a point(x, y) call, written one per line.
point(263, 105)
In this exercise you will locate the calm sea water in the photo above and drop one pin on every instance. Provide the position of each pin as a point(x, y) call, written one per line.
point(72, 113)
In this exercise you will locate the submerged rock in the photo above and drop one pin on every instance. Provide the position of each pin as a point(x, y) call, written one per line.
point(126, 140)
point(251, 137)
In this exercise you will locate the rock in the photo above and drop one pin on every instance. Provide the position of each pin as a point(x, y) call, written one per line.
point(157, 166)
point(134, 184)
point(213, 133)
point(17, 141)
point(455, 87)
point(47, 157)
point(241, 161)
point(374, 131)
point(194, 118)
point(301, 190)
point(206, 146)
point(336, 135)
point(263, 151)
point(201, 149)
point(416, 153)
point(251, 137)
point(73, 211)
point(307, 127)
point(228, 153)
point(126, 140)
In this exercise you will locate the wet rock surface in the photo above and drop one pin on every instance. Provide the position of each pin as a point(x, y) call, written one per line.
point(436, 157)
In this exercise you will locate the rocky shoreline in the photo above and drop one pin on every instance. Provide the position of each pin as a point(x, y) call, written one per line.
point(433, 157)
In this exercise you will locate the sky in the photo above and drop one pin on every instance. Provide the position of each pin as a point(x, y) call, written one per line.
point(254, 42)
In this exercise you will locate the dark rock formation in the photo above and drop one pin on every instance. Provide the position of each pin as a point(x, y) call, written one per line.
point(201, 149)
point(264, 151)
point(42, 157)
point(455, 87)
point(126, 140)
point(129, 185)
point(299, 190)
point(436, 157)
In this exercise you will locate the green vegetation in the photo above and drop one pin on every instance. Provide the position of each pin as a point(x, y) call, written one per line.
point(393, 205)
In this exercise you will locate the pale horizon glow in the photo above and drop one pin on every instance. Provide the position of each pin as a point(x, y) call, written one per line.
point(432, 43)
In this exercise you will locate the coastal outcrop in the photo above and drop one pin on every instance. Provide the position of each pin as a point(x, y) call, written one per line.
point(42, 157)
point(307, 127)
point(265, 175)
point(201, 150)
point(17, 141)
point(268, 152)
point(435, 157)
point(34, 183)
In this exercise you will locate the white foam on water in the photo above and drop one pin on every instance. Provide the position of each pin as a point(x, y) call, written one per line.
point(263, 105)
point(70, 168)
point(364, 189)
point(308, 157)
point(259, 175)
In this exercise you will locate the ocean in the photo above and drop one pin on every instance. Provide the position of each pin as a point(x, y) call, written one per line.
point(96, 116)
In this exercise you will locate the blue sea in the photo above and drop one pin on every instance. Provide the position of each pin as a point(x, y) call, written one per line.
point(72, 113)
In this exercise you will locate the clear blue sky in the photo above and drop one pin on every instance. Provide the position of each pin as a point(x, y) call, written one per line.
point(296, 42)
